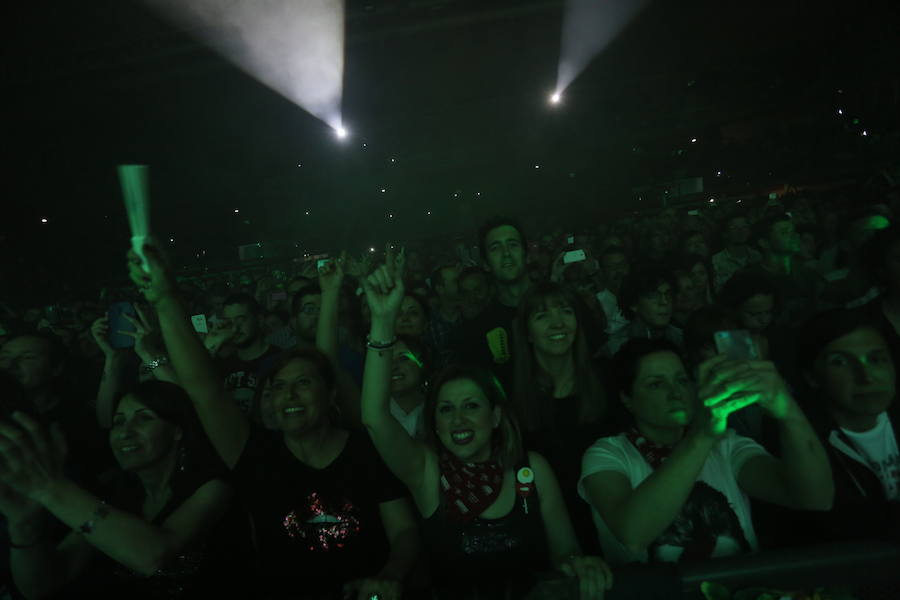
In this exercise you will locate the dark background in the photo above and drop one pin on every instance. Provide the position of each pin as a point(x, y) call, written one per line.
point(455, 91)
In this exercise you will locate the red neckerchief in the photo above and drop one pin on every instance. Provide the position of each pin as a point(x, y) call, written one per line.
point(652, 453)
point(469, 487)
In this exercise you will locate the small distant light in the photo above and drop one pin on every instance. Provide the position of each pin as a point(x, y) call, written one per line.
point(393, 160)
point(865, 132)
point(391, 216)
point(712, 200)
point(477, 193)
point(429, 212)
point(456, 194)
point(299, 164)
point(172, 240)
point(371, 249)
point(840, 111)
point(383, 190)
point(237, 210)
point(718, 173)
point(537, 166)
point(693, 140)
point(43, 220)
point(307, 213)
point(365, 145)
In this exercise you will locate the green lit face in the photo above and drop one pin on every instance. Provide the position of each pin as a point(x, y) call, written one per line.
point(783, 238)
point(465, 420)
point(300, 398)
point(505, 254)
point(856, 374)
point(307, 318)
point(139, 437)
point(662, 394)
point(552, 328)
point(247, 326)
point(411, 318)
point(406, 374)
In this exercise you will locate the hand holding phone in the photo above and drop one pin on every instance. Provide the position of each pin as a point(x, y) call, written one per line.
point(736, 344)
point(118, 322)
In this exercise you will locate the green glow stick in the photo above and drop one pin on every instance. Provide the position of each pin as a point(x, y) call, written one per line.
point(133, 179)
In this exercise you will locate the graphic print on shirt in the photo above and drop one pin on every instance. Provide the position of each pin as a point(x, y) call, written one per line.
point(888, 471)
point(706, 523)
point(242, 385)
point(323, 524)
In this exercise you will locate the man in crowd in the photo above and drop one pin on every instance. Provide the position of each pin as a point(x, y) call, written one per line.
point(614, 267)
point(737, 253)
point(486, 340)
point(244, 369)
point(798, 288)
point(474, 292)
point(648, 293)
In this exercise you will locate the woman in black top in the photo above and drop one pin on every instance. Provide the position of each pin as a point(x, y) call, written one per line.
point(494, 515)
point(328, 516)
point(151, 540)
point(558, 393)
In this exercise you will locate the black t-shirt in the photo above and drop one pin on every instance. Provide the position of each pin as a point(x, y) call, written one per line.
point(315, 529)
point(242, 377)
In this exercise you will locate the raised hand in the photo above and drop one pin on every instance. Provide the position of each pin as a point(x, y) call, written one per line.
point(384, 288)
point(159, 283)
point(726, 386)
point(31, 459)
point(146, 343)
point(100, 333)
point(331, 275)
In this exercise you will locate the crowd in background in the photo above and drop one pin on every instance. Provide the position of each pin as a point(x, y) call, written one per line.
point(456, 421)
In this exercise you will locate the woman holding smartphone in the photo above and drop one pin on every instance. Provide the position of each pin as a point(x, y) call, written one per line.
point(674, 485)
point(493, 514)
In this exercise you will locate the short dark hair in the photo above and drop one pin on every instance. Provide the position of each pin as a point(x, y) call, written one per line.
point(494, 223)
point(244, 300)
point(825, 327)
point(629, 356)
point(56, 348)
point(509, 445)
point(642, 281)
point(423, 302)
point(297, 300)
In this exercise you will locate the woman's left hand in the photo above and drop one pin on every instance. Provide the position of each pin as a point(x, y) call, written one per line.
point(594, 575)
point(373, 588)
point(31, 459)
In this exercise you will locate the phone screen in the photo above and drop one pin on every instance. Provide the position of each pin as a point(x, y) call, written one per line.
point(736, 344)
point(574, 256)
point(117, 323)
point(199, 323)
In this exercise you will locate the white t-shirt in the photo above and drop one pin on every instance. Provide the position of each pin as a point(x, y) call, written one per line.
point(717, 509)
point(878, 447)
point(412, 421)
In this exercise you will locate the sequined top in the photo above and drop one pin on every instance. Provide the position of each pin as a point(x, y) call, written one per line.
point(487, 554)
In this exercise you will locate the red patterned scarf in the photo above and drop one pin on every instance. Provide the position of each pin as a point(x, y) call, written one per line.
point(652, 453)
point(469, 487)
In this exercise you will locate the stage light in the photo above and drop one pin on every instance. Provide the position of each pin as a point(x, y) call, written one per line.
point(840, 111)
point(341, 133)
point(307, 213)
point(43, 220)
point(371, 249)
point(537, 166)
point(383, 190)
point(693, 140)
point(391, 216)
point(428, 212)
point(718, 173)
point(299, 165)
point(172, 240)
point(236, 211)
point(865, 133)
point(555, 98)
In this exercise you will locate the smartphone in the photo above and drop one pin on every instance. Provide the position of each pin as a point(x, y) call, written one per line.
point(570, 239)
point(736, 344)
point(574, 256)
point(117, 323)
point(199, 323)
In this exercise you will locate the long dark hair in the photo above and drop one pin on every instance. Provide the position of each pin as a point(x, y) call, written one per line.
point(508, 443)
point(532, 383)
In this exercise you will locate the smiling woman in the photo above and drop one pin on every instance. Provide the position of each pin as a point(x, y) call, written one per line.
point(493, 515)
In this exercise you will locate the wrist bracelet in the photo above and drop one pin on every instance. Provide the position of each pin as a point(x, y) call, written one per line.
point(100, 513)
point(376, 345)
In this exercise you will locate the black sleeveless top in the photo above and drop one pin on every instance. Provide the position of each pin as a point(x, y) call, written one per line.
point(487, 555)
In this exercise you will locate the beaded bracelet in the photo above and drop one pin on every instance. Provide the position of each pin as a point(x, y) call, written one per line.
point(100, 513)
point(375, 345)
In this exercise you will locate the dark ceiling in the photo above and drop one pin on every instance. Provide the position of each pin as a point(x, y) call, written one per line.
point(453, 91)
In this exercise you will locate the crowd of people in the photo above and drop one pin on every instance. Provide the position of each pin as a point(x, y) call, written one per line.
point(462, 421)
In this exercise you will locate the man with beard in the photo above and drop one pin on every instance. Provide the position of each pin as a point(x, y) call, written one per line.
point(244, 369)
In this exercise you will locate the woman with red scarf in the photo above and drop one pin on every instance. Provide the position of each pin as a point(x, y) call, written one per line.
point(494, 517)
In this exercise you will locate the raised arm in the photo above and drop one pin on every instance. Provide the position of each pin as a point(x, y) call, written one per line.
point(225, 425)
point(32, 466)
point(111, 380)
point(331, 276)
point(404, 456)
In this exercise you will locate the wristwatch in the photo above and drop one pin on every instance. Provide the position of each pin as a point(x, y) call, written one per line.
point(157, 362)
